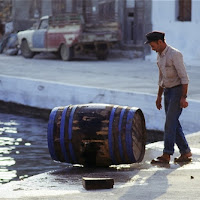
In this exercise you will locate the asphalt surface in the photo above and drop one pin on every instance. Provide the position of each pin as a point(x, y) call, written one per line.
point(135, 181)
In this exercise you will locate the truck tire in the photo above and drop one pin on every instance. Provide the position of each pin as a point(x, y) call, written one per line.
point(102, 52)
point(66, 53)
point(26, 52)
point(102, 55)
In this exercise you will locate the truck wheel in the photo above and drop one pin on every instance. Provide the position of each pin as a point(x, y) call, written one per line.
point(102, 55)
point(66, 53)
point(26, 52)
point(102, 51)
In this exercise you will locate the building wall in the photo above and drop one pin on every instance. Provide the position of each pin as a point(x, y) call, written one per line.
point(130, 3)
point(26, 12)
point(183, 35)
point(46, 8)
point(136, 22)
point(5, 10)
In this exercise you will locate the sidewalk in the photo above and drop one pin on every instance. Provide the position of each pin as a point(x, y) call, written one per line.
point(140, 181)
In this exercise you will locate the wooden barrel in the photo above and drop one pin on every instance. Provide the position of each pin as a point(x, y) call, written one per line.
point(97, 134)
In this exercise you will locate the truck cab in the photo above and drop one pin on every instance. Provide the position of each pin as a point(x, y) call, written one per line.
point(68, 35)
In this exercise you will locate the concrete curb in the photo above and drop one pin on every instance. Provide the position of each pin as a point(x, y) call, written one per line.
point(47, 95)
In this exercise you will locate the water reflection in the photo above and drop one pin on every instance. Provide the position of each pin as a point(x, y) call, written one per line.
point(23, 148)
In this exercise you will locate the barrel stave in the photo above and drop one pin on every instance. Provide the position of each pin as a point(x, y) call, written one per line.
point(125, 158)
point(89, 135)
point(138, 135)
point(56, 135)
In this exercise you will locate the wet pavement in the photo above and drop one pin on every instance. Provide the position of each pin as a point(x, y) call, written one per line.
point(135, 181)
point(23, 147)
point(24, 150)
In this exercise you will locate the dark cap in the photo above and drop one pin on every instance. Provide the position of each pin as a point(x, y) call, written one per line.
point(154, 36)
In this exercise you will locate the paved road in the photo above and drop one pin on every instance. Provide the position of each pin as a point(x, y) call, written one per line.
point(134, 75)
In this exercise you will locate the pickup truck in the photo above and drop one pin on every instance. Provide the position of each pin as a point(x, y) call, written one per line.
point(67, 35)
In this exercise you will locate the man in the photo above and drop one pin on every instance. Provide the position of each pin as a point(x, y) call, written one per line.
point(173, 82)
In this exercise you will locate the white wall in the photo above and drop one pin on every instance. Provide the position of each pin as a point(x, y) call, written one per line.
point(43, 94)
point(130, 3)
point(182, 35)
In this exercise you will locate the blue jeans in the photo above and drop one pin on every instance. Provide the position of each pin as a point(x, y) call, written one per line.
point(173, 131)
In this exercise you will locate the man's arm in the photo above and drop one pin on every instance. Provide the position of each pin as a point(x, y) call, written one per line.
point(183, 102)
point(159, 98)
point(181, 70)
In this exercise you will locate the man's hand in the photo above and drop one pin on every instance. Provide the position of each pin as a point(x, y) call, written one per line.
point(158, 102)
point(183, 103)
point(159, 98)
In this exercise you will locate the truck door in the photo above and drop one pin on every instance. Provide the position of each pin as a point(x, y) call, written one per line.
point(39, 36)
